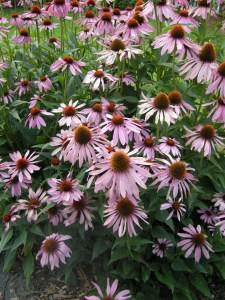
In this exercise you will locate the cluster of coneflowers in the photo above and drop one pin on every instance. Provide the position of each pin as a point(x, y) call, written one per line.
point(121, 154)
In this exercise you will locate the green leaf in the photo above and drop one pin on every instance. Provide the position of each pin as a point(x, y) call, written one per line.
point(20, 240)
point(221, 268)
point(36, 230)
point(199, 282)
point(166, 278)
point(6, 237)
point(28, 267)
point(118, 254)
point(180, 265)
point(15, 114)
point(9, 260)
point(99, 248)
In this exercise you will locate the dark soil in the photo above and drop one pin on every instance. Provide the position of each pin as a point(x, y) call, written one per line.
point(45, 285)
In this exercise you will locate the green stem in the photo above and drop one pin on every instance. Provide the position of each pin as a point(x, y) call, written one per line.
point(158, 130)
point(156, 18)
point(65, 84)
point(38, 33)
point(62, 35)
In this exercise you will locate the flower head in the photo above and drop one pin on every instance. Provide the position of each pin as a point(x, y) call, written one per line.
point(35, 199)
point(79, 211)
point(203, 138)
point(54, 250)
point(170, 146)
point(160, 107)
point(175, 41)
point(119, 171)
point(23, 166)
point(194, 241)
point(159, 248)
point(71, 113)
point(35, 118)
point(59, 8)
point(174, 174)
point(110, 292)
point(122, 215)
point(118, 48)
point(67, 63)
point(202, 66)
point(83, 144)
point(64, 190)
point(218, 81)
point(176, 207)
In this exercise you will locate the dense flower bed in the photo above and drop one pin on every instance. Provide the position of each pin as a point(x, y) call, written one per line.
point(112, 143)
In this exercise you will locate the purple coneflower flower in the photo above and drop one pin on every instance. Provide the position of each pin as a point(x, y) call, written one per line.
point(147, 146)
point(164, 10)
point(97, 79)
point(35, 12)
point(55, 42)
point(59, 8)
point(104, 24)
point(207, 215)
point(23, 87)
point(16, 20)
point(34, 119)
point(34, 100)
point(60, 141)
point(122, 215)
point(117, 48)
point(120, 126)
point(203, 138)
point(218, 81)
point(67, 62)
point(23, 166)
point(203, 10)
point(119, 171)
point(23, 38)
point(89, 19)
point(3, 66)
point(111, 107)
point(94, 114)
point(54, 250)
point(79, 211)
point(76, 6)
point(202, 66)
point(9, 218)
point(158, 106)
point(135, 27)
point(194, 241)
point(15, 186)
point(110, 292)
point(83, 143)
point(159, 248)
point(7, 96)
point(174, 174)
point(72, 115)
point(55, 215)
point(169, 146)
point(44, 84)
point(219, 201)
point(3, 20)
point(86, 34)
point(177, 101)
point(175, 40)
point(218, 111)
point(47, 25)
point(64, 190)
point(184, 18)
point(35, 199)
point(176, 207)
